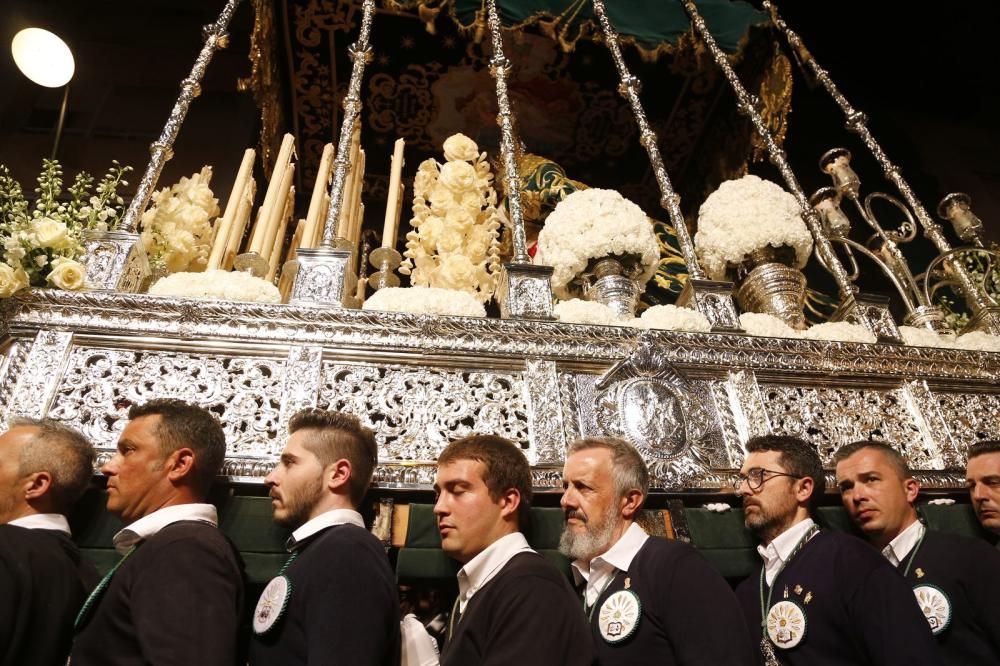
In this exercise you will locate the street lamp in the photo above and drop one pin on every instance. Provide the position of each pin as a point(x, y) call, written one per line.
point(45, 59)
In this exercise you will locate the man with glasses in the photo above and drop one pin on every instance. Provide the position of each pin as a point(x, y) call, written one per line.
point(821, 597)
point(955, 579)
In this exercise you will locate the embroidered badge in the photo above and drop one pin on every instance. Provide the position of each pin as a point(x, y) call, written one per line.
point(271, 605)
point(935, 605)
point(619, 616)
point(919, 572)
point(786, 624)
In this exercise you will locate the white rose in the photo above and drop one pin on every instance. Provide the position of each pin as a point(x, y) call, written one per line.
point(458, 176)
point(67, 274)
point(460, 147)
point(456, 272)
point(50, 233)
point(11, 280)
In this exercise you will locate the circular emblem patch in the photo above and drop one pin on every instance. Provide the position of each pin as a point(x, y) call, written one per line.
point(935, 605)
point(619, 616)
point(271, 605)
point(786, 624)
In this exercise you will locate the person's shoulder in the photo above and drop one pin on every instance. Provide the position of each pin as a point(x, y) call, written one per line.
point(528, 566)
point(956, 546)
point(854, 554)
point(344, 540)
point(16, 539)
point(659, 548)
point(188, 535)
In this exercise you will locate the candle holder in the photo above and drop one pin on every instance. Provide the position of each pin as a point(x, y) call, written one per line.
point(957, 209)
point(386, 260)
point(252, 263)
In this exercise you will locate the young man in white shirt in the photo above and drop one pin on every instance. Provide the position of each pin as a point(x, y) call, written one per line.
point(176, 595)
point(513, 607)
point(955, 579)
point(647, 599)
point(335, 601)
point(45, 467)
point(982, 477)
point(821, 597)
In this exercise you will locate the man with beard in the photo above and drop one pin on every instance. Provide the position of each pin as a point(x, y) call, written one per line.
point(335, 600)
point(176, 595)
point(821, 597)
point(956, 579)
point(648, 599)
point(982, 477)
point(513, 607)
point(45, 467)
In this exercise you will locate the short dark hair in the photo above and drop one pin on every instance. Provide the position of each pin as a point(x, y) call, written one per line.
point(61, 451)
point(183, 424)
point(983, 447)
point(799, 458)
point(894, 457)
point(506, 467)
point(340, 436)
point(628, 469)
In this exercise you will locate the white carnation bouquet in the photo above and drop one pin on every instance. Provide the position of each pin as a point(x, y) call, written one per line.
point(425, 300)
point(590, 225)
point(177, 227)
point(40, 246)
point(217, 285)
point(454, 243)
point(744, 216)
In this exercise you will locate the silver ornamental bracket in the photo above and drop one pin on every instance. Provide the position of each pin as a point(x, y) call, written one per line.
point(714, 299)
point(324, 279)
point(872, 312)
point(524, 291)
point(114, 261)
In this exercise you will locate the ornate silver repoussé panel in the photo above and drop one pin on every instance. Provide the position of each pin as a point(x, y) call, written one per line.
point(688, 401)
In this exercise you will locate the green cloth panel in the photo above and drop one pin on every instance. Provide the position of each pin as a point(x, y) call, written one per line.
point(954, 518)
point(650, 22)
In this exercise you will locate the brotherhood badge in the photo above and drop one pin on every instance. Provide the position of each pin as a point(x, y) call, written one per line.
point(935, 605)
point(786, 624)
point(271, 605)
point(619, 616)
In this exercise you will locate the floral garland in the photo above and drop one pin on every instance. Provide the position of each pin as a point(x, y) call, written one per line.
point(454, 243)
point(426, 300)
point(177, 227)
point(745, 215)
point(594, 224)
point(577, 311)
point(217, 285)
point(41, 247)
point(673, 318)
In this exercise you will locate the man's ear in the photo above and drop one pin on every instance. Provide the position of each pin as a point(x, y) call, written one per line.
point(36, 485)
point(807, 487)
point(631, 503)
point(337, 475)
point(179, 464)
point(510, 501)
point(912, 488)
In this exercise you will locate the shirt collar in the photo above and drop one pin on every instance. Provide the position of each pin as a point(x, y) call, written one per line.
point(904, 543)
point(149, 525)
point(43, 521)
point(619, 556)
point(483, 567)
point(781, 547)
point(321, 522)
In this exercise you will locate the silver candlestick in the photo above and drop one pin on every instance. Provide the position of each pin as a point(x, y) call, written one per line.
point(386, 260)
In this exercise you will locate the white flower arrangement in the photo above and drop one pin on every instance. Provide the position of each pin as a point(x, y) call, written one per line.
point(673, 318)
point(592, 224)
point(717, 507)
point(978, 341)
point(177, 227)
point(766, 326)
point(40, 247)
point(918, 336)
point(839, 331)
point(577, 311)
point(455, 240)
point(941, 501)
point(426, 301)
point(217, 285)
point(745, 215)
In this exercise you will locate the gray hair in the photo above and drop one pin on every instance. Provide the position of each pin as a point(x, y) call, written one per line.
point(61, 451)
point(628, 469)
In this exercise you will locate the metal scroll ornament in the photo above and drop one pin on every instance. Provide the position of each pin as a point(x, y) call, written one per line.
point(646, 401)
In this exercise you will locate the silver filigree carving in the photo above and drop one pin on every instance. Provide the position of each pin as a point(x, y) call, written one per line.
point(115, 261)
point(524, 291)
point(416, 411)
point(324, 278)
point(37, 382)
point(741, 411)
point(930, 419)
point(872, 312)
point(303, 369)
point(15, 359)
point(544, 410)
point(970, 417)
point(99, 385)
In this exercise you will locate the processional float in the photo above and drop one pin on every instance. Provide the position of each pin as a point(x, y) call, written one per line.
point(688, 398)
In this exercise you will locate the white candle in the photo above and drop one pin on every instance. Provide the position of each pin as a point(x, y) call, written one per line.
point(225, 224)
point(274, 258)
point(391, 222)
point(276, 213)
point(272, 198)
point(240, 222)
point(317, 204)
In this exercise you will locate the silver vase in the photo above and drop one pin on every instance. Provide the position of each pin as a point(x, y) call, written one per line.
point(775, 289)
point(609, 285)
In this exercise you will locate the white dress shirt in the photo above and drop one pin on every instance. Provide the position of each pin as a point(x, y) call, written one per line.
point(603, 568)
point(43, 521)
point(321, 522)
point(777, 552)
point(482, 568)
point(904, 543)
point(149, 525)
